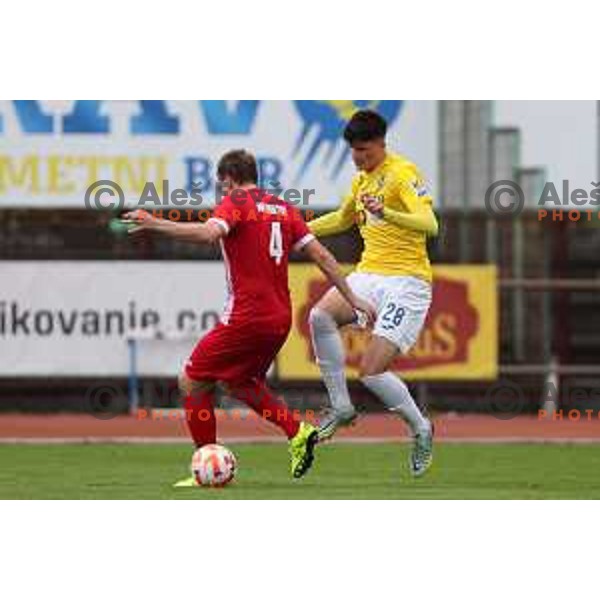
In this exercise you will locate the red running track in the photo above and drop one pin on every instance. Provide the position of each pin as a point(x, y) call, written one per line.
point(234, 428)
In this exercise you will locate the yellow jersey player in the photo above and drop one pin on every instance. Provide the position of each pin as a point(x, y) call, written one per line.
point(391, 203)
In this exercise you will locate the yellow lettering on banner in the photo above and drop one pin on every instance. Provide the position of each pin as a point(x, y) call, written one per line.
point(444, 331)
point(61, 175)
point(157, 169)
point(57, 183)
point(20, 173)
point(438, 340)
point(132, 175)
point(93, 164)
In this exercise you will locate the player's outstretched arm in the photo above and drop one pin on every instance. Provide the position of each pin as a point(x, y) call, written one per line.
point(421, 219)
point(331, 269)
point(334, 222)
point(195, 233)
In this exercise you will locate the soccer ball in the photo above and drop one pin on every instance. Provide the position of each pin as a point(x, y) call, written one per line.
point(213, 465)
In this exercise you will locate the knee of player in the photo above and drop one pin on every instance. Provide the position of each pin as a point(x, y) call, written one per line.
point(184, 383)
point(242, 389)
point(320, 319)
point(188, 386)
point(367, 370)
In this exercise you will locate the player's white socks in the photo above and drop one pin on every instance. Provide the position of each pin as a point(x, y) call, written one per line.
point(395, 395)
point(329, 350)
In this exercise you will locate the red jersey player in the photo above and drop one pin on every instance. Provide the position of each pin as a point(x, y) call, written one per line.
point(257, 232)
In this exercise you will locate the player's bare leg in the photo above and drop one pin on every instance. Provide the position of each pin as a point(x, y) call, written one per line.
point(393, 392)
point(331, 313)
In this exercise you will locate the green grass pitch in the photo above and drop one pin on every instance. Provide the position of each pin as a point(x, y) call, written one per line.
point(377, 471)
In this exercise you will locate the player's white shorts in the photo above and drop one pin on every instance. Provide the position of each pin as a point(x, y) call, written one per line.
point(401, 302)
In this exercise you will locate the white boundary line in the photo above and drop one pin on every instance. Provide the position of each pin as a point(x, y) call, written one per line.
point(134, 440)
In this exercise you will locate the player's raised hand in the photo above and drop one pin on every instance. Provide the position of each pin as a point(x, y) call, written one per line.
point(373, 205)
point(141, 220)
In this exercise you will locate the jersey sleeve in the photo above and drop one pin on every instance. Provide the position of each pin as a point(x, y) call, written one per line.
point(412, 191)
point(410, 205)
point(227, 214)
point(337, 221)
point(301, 234)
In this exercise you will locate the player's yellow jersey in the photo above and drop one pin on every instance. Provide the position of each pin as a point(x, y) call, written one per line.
point(388, 248)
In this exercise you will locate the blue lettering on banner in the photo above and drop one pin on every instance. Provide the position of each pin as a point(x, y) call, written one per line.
point(154, 119)
point(222, 120)
point(199, 172)
point(86, 118)
point(31, 117)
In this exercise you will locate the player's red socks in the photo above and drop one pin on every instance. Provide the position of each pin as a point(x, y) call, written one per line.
point(200, 416)
point(200, 412)
point(258, 397)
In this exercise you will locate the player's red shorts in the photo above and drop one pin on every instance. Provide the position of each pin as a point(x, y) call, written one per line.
point(235, 354)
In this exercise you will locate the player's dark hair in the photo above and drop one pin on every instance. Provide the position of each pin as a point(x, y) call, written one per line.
point(239, 165)
point(365, 126)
